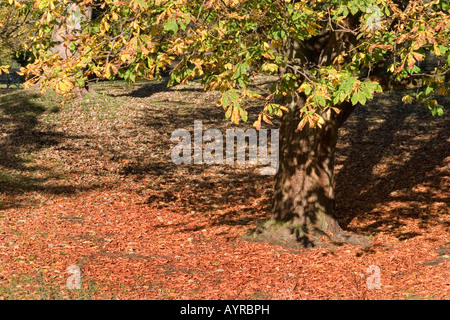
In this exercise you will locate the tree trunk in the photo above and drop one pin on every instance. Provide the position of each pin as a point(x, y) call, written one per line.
point(304, 203)
point(304, 184)
point(71, 26)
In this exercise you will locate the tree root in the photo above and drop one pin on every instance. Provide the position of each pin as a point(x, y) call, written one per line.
point(294, 236)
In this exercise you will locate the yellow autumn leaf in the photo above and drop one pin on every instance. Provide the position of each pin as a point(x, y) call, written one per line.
point(320, 121)
point(64, 86)
point(104, 27)
point(437, 51)
point(340, 58)
point(165, 59)
point(4, 69)
point(270, 67)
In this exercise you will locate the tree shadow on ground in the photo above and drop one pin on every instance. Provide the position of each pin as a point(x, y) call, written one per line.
point(221, 192)
point(393, 153)
point(232, 199)
point(21, 136)
point(385, 147)
point(147, 90)
point(19, 129)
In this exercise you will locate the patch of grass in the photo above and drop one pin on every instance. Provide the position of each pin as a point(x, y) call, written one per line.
point(101, 106)
point(260, 295)
point(412, 296)
point(16, 180)
point(5, 177)
point(39, 287)
point(22, 104)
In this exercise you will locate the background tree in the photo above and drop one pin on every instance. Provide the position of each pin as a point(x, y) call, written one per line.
point(329, 57)
point(16, 23)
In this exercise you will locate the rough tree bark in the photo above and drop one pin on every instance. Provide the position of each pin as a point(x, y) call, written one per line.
point(304, 185)
point(304, 203)
point(304, 192)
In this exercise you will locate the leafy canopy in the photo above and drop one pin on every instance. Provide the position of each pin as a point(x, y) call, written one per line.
point(16, 24)
point(225, 42)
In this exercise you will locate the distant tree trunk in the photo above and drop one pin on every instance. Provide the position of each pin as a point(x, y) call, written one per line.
point(71, 26)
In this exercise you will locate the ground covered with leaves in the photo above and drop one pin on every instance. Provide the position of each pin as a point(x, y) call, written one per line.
point(92, 184)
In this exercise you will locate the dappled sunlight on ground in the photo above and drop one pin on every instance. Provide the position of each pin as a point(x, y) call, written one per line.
point(91, 184)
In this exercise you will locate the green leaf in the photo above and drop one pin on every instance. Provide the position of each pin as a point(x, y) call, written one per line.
point(308, 89)
point(171, 25)
point(362, 98)
point(355, 98)
point(230, 98)
point(243, 114)
point(321, 100)
point(81, 82)
point(228, 113)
